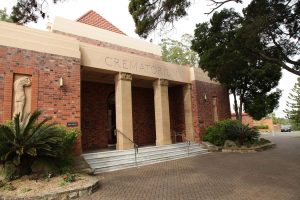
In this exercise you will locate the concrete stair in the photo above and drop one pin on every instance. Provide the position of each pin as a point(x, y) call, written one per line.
point(121, 159)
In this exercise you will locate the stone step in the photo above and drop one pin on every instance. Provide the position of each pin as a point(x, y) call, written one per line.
point(140, 158)
point(130, 151)
point(122, 159)
point(139, 164)
point(116, 157)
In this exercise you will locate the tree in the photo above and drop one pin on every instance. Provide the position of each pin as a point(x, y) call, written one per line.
point(149, 14)
point(30, 10)
point(222, 55)
point(179, 52)
point(4, 16)
point(270, 30)
point(293, 105)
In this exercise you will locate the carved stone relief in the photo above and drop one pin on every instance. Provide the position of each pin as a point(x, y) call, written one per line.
point(22, 95)
point(125, 76)
point(164, 82)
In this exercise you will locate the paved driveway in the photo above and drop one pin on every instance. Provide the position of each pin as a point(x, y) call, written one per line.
point(273, 174)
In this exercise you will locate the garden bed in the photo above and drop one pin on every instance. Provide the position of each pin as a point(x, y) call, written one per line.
point(249, 149)
point(54, 188)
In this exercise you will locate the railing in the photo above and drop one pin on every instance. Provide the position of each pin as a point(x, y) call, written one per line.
point(183, 137)
point(136, 147)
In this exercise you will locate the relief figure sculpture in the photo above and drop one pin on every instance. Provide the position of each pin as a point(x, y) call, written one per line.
point(20, 97)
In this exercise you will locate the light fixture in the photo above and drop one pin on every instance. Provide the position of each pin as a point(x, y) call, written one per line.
point(61, 82)
point(205, 98)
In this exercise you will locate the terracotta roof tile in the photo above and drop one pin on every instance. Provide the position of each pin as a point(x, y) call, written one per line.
point(94, 19)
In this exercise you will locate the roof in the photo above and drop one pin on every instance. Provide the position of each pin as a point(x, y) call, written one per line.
point(94, 19)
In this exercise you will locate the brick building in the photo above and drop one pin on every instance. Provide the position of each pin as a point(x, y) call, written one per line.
point(88, 74)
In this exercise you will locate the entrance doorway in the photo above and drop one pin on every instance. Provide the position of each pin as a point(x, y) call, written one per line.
point(111, 113)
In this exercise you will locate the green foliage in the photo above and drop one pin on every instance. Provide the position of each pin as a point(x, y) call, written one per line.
point(4, 185)
point(69, 178)
point(179, 52)
point(4, 16)
point(270, 31)
point(69, 139)
point(219, 132)
point(293, 106)
point(24, 190)
point(279, 120)
point(23, 143)
point(243, 134)
point(233, 130)
point(261, 127)
point(222, 55)
point(26, 11)
point(148, 14)
point(10, 171)
point(263, 141)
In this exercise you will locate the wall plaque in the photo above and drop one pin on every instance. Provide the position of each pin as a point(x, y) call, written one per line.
point(72, 124)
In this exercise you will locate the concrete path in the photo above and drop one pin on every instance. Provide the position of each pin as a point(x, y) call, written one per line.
point(269, 175)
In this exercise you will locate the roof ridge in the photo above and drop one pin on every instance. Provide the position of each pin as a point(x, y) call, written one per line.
point(92, 18)
point(85, 15)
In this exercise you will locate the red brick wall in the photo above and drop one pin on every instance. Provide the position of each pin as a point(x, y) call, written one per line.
point(62, 104)
point(203, 109)
point(143, 116)
point(176, 105)
point(94, 116)
point(246, 119)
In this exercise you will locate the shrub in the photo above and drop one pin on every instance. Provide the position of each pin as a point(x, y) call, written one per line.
point(219, 132)
point(64, 163)
point(23, 143)
point(244, 134)
point(233, 130)
point(69, 139)
point(261, 127)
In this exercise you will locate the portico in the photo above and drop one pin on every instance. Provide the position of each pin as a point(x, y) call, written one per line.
point(136, 98)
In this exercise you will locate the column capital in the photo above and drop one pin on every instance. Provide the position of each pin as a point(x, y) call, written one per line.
point(124, 76)
point(162, 82)
point(188, 86)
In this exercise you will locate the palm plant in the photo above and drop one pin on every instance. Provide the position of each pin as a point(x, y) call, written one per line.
point(22, 143)
point(244, 134)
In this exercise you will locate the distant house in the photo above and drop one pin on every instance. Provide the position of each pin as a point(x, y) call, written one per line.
point(264, 125)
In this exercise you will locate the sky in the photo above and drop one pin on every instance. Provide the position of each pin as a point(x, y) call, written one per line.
point(116, 11)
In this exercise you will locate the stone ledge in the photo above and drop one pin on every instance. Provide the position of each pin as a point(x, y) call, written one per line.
point(64, 195)
point(250, 149)
point(210, 147)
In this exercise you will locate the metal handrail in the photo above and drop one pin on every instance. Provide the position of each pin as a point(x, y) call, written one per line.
point(182, 134)
point(188, 142)
point(136, 146)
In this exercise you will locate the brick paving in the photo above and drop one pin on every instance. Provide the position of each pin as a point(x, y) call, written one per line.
point(272, 174)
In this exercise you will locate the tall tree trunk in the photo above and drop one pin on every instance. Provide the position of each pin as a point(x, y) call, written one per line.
point(236, 110)
point(241, 109)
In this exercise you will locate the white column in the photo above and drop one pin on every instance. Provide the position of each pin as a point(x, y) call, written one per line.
point(162, 114)
point(124, 110)
point(188, 114)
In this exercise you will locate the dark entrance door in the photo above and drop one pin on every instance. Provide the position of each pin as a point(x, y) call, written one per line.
point(111, 106)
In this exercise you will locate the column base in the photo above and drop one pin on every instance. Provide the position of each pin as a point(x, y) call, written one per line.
point(124, 146)
point(163, 142)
